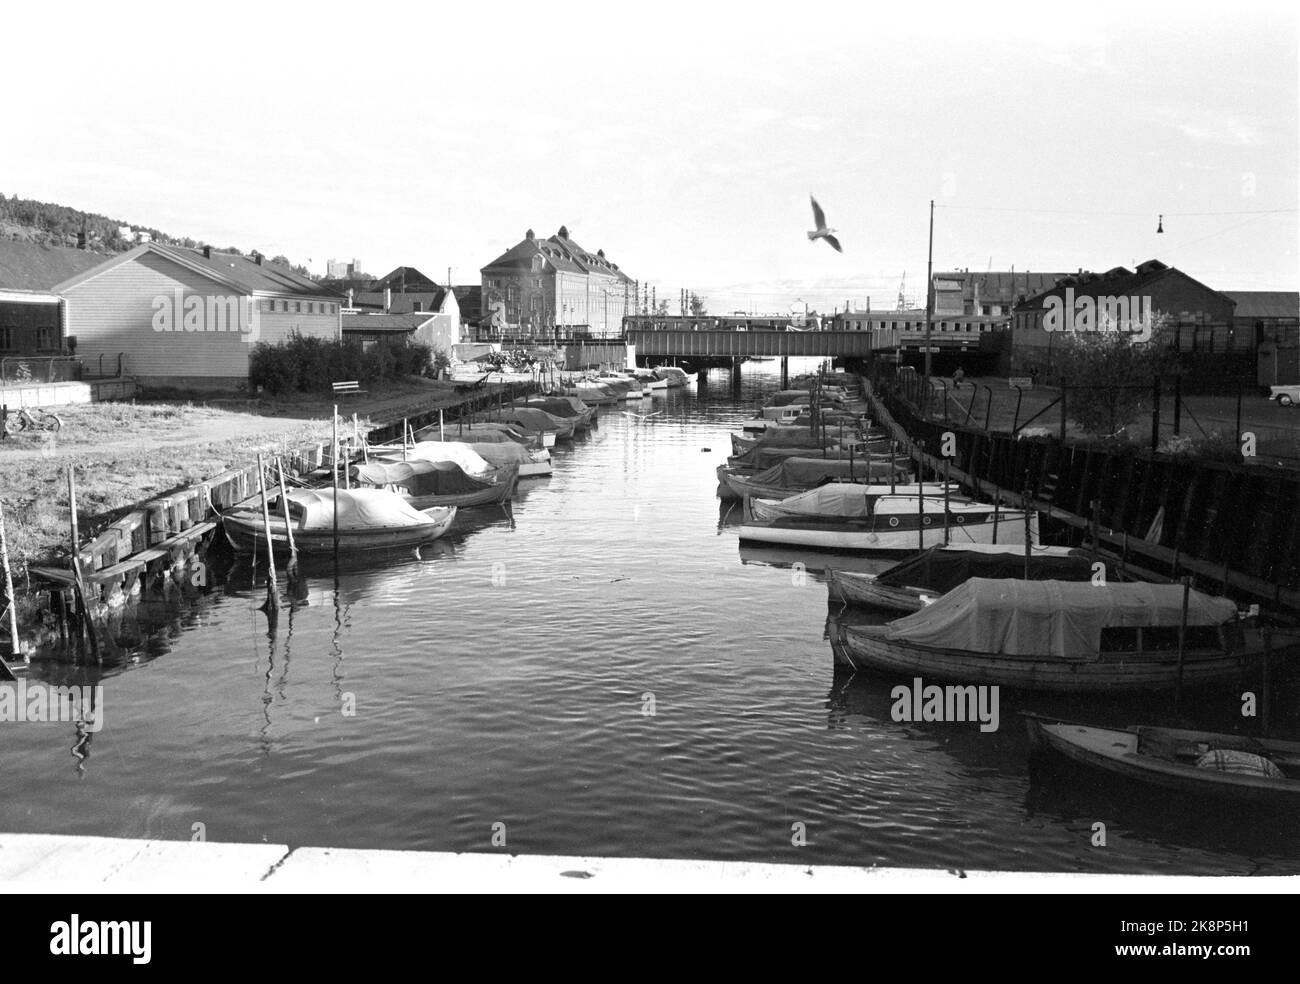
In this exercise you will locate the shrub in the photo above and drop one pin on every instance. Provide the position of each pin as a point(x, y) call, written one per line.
point(308, 364)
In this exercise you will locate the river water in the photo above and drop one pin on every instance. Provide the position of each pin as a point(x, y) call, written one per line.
point(607, 673)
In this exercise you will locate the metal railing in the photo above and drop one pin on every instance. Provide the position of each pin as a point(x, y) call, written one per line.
point(20, 369)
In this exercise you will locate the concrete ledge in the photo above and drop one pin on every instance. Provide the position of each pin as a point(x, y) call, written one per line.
point(60, 863)
point(63, 863)
point(20, 396)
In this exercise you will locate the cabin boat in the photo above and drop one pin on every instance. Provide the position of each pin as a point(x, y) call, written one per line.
point(916, 582)
point(847, 517)
point(368, 519)
point(1199, 763)
point(1063, 636)
point(437, 483)
point(793, 475)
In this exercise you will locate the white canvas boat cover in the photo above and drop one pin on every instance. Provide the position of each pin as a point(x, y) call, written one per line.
point(420, 477)
point(470, 461)
point(504, 455)
point(357, 508)
point(1049, 618)
point(533, 419)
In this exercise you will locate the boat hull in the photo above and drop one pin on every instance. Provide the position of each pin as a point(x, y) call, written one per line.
point(1118, 752)
point(245, 532)
point(853, 588)
point(866, 648)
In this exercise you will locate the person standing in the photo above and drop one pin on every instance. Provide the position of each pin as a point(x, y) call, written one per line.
point(957, 377)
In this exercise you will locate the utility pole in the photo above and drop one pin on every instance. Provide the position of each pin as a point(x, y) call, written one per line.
point(929, 294)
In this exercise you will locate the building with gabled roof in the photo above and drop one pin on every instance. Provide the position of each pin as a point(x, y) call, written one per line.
point(189, 318)
point(31, 314)
point(541, 285)
point(1272, 319)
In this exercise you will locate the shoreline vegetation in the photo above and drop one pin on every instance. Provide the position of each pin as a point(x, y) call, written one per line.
point(128, 453)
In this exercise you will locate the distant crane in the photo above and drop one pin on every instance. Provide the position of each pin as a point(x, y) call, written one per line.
point(902, 301)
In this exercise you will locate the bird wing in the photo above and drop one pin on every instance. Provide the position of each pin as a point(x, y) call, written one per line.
point(819, 217)
point(833, 241)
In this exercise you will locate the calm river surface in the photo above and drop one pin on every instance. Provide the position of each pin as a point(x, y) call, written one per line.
point(610, 675)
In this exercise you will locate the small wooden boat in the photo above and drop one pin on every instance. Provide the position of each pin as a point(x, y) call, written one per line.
point(1200, 763)
point(851, 518)
point(1062, 636)
point(437, 483)
point(368, 519)
point(916, 582)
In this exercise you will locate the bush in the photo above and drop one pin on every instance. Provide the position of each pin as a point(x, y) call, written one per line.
point(310, 365)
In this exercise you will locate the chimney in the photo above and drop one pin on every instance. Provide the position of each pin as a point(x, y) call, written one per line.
point(976, 303)
point(257, 258)
point(388, 299)
point(207, 252)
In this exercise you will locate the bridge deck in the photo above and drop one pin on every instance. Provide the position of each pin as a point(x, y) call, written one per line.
point(756, 343)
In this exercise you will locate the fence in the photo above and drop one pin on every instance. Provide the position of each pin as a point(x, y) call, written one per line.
point(40, 369)
point(1231, 523)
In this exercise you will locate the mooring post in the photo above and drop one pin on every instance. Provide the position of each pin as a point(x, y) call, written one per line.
point(893, 465)
point(1239, 414)
point(292, 569)
point(1266, 634)
point(1178, 403)
point(1155, 413)
point(997, 509)
point(946, 535)
point(10, 601)
point(920, 497)
point(272, 603)
point(1182, 639)
point(442, 436)
point(1029, 534)
point(336, 485)
point(1064, 390)
point(85, 626)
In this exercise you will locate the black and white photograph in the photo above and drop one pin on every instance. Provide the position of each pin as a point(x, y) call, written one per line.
point(694, 448)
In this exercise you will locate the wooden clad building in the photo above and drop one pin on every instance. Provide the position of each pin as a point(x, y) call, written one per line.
point(190, 318)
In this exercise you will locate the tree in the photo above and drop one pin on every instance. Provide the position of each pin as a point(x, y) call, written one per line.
point(661, 309)
point(697, 305)
point(1109, 375)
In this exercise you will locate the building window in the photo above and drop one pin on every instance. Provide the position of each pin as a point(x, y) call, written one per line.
point(494, 283)
point(537, 282)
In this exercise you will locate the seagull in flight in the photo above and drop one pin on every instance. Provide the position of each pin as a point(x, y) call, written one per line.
point(821, 232)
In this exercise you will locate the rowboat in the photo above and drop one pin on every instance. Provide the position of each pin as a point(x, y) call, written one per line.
point(1201, 763)
point(368, 519)
point(916, 582)
point(1062, 636)
point(437, 483)
point(847, 517)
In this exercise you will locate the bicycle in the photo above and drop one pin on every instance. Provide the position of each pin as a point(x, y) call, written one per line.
point(18, 421)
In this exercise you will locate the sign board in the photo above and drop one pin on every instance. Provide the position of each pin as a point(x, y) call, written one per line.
point(1024, 382)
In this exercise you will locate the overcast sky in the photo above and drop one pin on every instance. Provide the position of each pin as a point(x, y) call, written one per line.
point(683, 139)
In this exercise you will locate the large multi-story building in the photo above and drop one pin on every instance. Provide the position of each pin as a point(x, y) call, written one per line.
point(542, 285)
point(990, 294)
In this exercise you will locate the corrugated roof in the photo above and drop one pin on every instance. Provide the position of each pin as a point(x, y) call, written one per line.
point(27, 266)
point(1266, 303)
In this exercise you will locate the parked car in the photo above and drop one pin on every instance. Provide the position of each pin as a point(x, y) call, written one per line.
point(1286, 396)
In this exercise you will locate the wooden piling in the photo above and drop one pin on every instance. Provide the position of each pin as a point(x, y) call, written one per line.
point(11, 602)
point(292, 569)
point(336, 481)
point(272, 603)
point(1182, 639)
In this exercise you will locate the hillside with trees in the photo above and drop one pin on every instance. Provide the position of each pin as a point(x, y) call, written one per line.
point(50, 224)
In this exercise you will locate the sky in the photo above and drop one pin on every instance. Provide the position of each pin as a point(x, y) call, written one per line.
point(684, 139)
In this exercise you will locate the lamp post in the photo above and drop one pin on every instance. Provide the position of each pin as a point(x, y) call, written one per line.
point(929, 293)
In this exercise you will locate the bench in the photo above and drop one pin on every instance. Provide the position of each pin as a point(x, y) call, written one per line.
point(350, 388)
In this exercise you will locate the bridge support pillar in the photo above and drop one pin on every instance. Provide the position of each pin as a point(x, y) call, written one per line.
point(785, 372)
point(735, 372)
